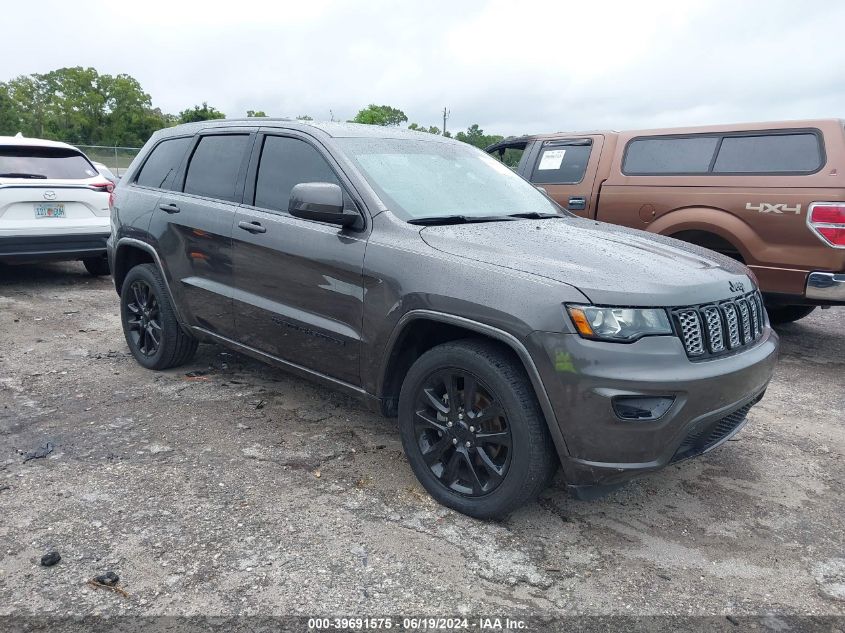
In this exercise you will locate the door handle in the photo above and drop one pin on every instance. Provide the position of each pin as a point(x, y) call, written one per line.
point(252, 227)
point(577, 203)
point(168, 207)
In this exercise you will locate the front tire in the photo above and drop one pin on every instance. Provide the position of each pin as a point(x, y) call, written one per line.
point(788, 314)
point(472, 429)
point(153, 333)
point(97, 266)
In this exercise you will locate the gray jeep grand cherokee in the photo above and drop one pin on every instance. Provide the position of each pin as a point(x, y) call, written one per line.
point(424, 277)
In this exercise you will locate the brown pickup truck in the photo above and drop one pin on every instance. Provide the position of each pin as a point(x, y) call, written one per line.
point(771, 195)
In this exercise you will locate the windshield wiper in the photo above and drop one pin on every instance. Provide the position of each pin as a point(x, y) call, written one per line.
point(534, 215)
point(459, 219)
point(15, 174)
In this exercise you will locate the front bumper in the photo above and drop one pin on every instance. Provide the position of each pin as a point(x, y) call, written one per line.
point(823, 286)
point(710, 399)
point(32, 248)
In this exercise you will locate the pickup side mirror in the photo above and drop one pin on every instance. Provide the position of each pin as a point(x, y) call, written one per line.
point(321, 201)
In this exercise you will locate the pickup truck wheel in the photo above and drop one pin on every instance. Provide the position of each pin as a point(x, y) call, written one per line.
point(152, 331)
point(97, 266)
point(788, 314)
point(473, 431)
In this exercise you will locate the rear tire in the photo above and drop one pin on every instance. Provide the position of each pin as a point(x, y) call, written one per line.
point(153, 333)
point(473, 431)
point(779, 315)
point(97, 266)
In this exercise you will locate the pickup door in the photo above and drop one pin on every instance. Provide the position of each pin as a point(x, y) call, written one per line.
point(566, 168)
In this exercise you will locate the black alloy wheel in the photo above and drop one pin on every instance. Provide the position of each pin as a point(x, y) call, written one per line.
point(462, 432)
point(155, 337)
point(144, 318)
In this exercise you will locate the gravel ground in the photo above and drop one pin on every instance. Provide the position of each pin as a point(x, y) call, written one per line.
point(238, 489)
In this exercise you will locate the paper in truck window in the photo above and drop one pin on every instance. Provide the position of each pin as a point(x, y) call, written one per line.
point(552, 158)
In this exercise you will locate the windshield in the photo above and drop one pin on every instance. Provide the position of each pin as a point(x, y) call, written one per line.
point(429, 179)
point(21, 161)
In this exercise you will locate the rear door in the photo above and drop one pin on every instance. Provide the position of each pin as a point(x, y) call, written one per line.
point(299, 283)
point(193, 226)
point(566, 169)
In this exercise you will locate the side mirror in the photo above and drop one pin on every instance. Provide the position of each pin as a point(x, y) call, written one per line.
point(321, 201)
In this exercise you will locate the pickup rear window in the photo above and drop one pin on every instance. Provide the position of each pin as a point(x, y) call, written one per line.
point(44, 163)
point(792, 152)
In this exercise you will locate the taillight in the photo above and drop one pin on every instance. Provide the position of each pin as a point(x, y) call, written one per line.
point(827, 220)
point(104, 187)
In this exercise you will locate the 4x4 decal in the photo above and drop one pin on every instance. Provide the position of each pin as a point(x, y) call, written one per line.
point(779, 208)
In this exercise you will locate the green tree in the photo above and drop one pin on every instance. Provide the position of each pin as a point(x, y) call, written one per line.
point(475, 136)
point(254, 113)
point(9, 118)
point(380, 115)
point(28, 95)
point(200, 113)
point(431, 129)
point(130, 118)
point(304, 117)
point(78, 105)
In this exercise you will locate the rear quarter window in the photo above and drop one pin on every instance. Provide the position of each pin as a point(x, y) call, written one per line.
point(775, 153)
point(691, 155)
point(159, 170)
point(787, 152)
point(40, 163)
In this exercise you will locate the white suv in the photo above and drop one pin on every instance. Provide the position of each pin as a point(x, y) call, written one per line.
point(54, 204)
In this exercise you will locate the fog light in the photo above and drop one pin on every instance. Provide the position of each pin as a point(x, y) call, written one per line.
point(641, 408)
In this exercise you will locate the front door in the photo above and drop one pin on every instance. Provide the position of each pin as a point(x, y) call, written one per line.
point(566, 169)
point(298, 283)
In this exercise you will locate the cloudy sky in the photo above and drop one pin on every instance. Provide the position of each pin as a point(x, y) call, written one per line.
point(513, 67)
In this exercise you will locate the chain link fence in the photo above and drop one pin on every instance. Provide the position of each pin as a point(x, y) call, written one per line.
point(117, 159)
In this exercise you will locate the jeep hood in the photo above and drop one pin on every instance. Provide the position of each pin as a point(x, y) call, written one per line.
point(611, 265)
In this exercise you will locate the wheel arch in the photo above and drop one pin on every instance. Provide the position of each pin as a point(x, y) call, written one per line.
point(708, 224)
point(127, 256)
point(420, 330)
point(131, 252)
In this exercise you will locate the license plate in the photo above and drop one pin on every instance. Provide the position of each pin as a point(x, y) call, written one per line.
point(49, 210)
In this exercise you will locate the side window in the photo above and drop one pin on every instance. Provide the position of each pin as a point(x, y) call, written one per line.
point(286, 162)
point(160, 167)
point(670, 155)
point(213, 170)
point(772, 153)
point(562, 164)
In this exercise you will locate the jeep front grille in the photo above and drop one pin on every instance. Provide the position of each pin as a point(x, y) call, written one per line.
point(717, 328)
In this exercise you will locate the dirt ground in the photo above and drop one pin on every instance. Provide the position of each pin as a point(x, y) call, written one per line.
point(242, 490)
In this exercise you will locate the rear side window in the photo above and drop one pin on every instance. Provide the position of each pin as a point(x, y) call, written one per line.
point(213, 170)
point(721, 154)
point(286, 162)
point(39, 163)
point(160, 167)
point(774, 153)
point(562, 164)
point(691, 155)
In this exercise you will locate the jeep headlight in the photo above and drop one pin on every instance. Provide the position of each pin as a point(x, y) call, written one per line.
point(623, 325)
